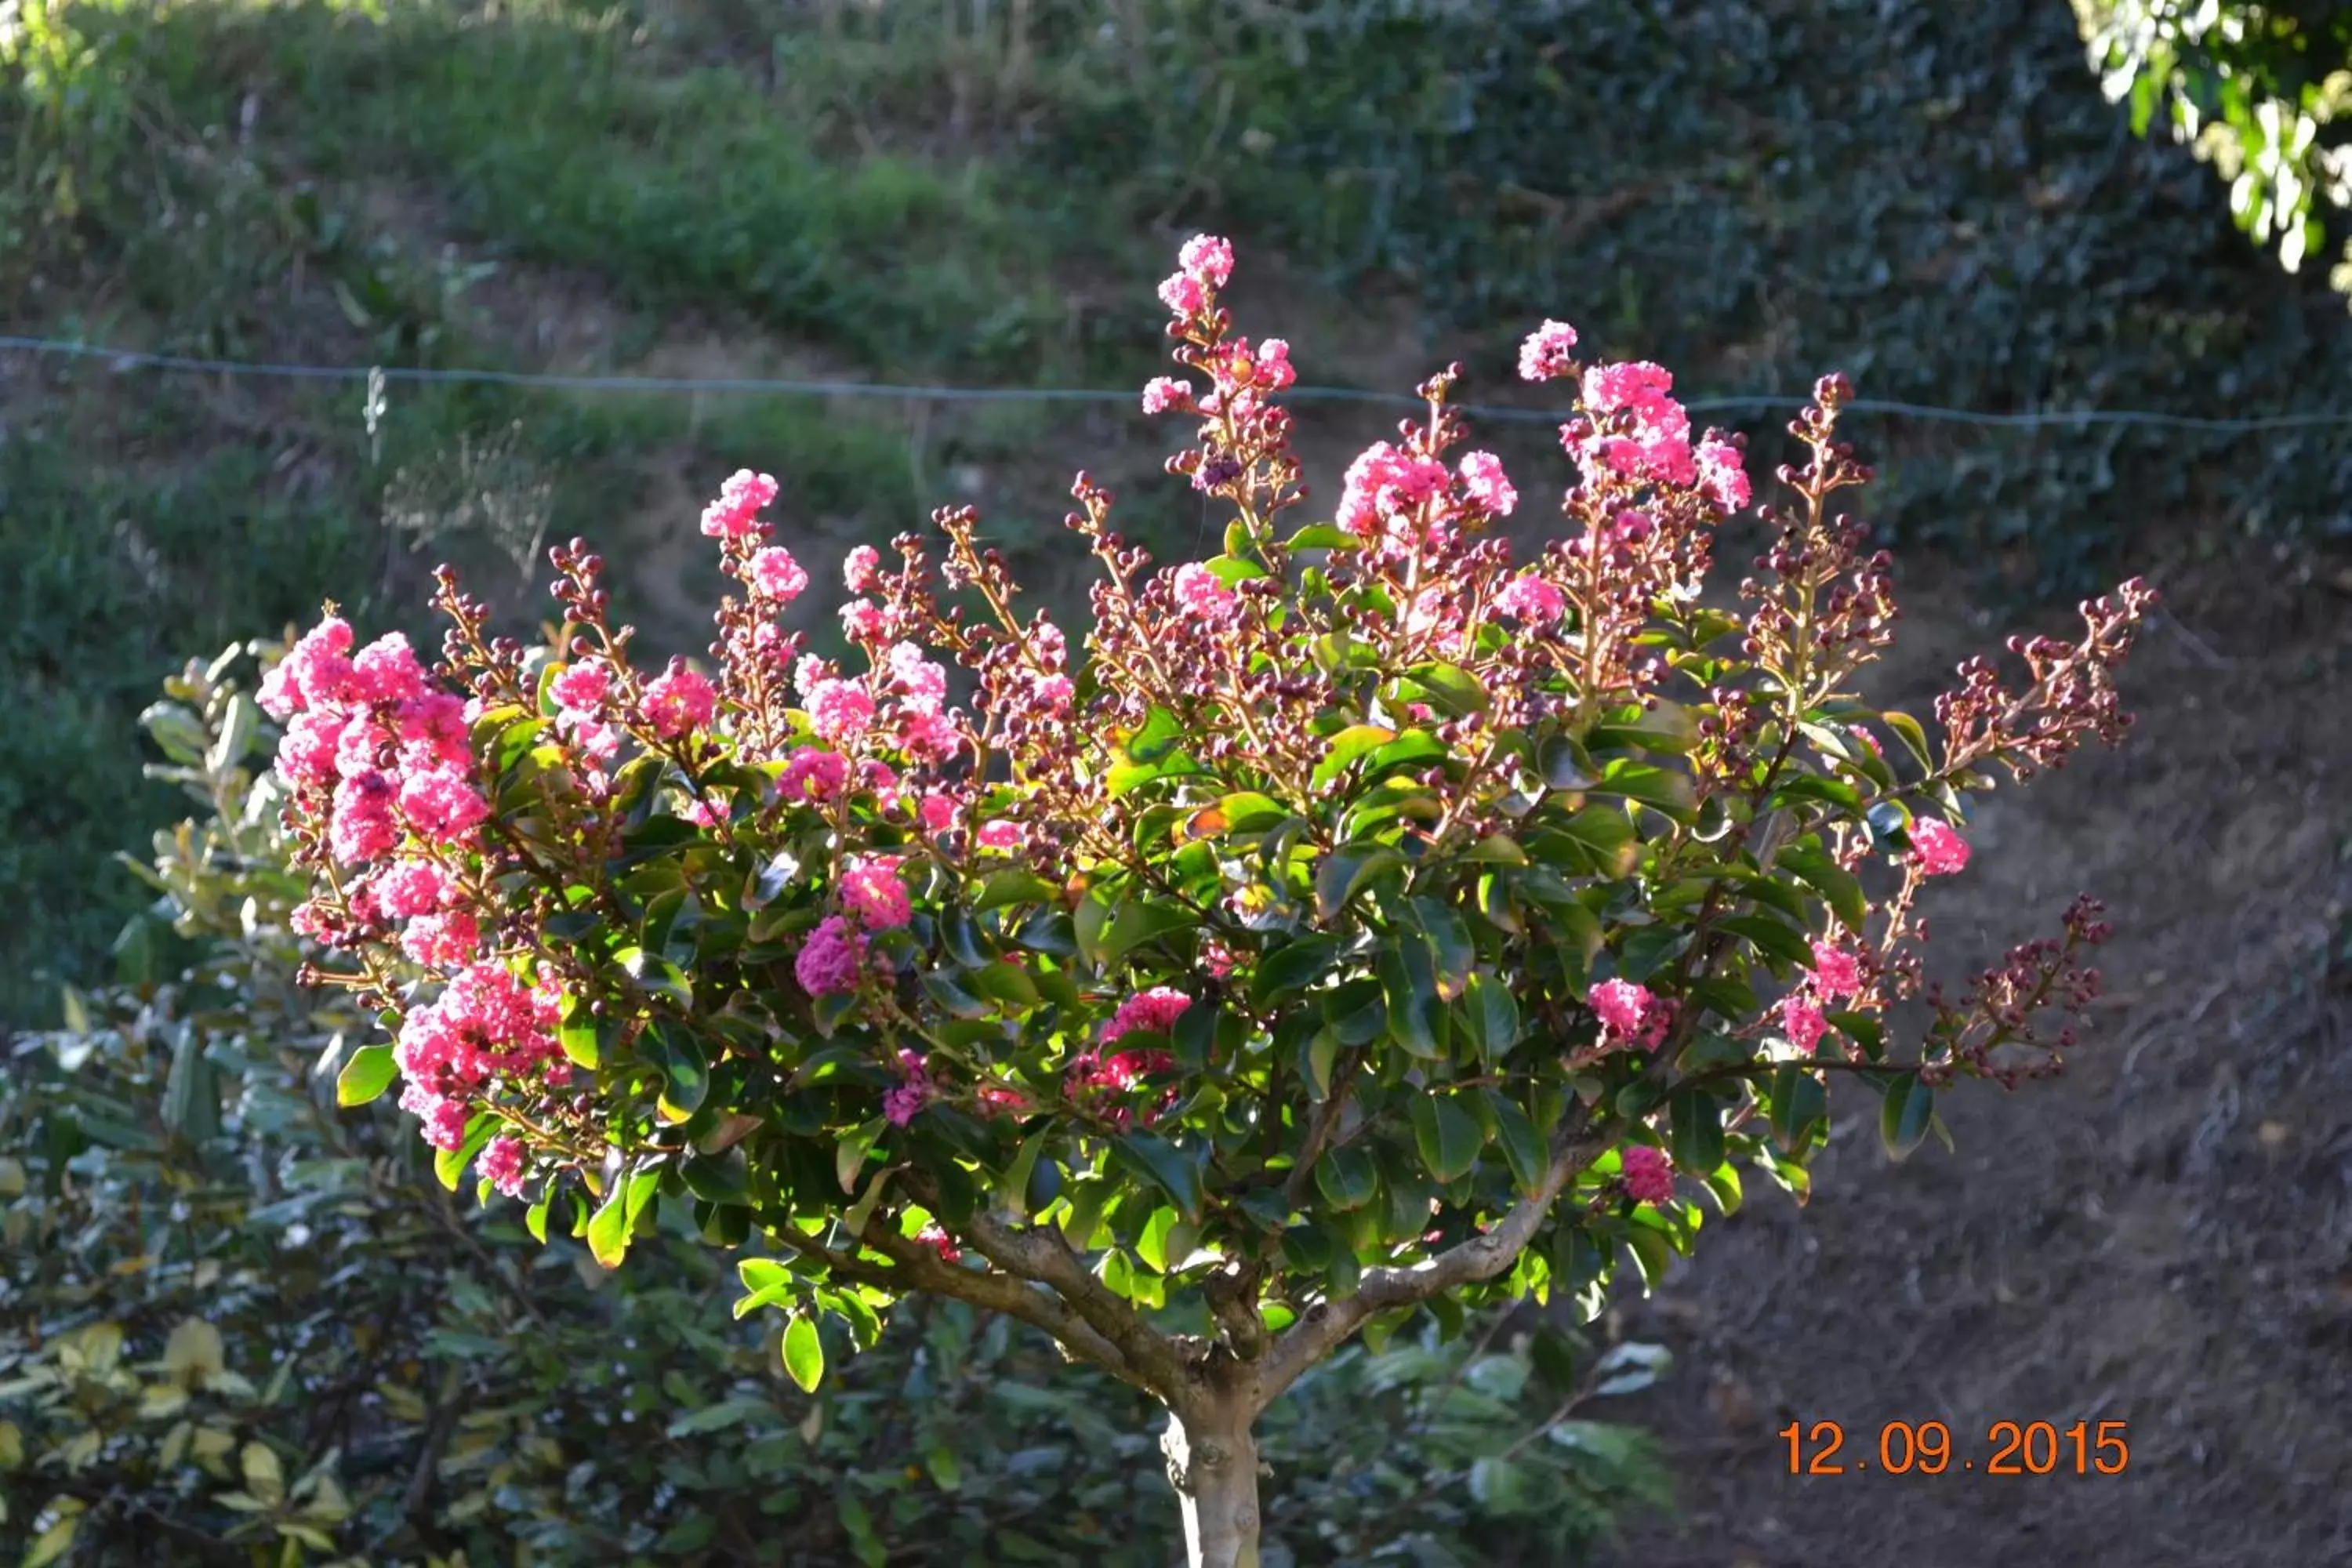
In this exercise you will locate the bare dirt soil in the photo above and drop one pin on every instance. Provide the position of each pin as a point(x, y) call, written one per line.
point(2161, 1237)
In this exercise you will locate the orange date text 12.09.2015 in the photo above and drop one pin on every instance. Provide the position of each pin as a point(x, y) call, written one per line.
point(1925, 1448)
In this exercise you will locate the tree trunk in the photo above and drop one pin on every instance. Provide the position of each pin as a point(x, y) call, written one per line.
point(1212, 1461)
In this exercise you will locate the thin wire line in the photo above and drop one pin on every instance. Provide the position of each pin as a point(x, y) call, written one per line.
point(124, 360)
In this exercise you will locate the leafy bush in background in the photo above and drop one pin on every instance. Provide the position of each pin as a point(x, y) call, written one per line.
point(236, 1319)
point(2259, 92)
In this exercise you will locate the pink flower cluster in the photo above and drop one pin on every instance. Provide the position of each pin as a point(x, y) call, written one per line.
point(1097, 1079)
point(1634, 431)
point(1202, 266)
point(1939, 851)
point(485, 1025)
point(1631, 1014)
point(832, 959)
point(870, 886)
point(736, 513)
point(912, 1093)
point(389, 753)
point(1649, 1175)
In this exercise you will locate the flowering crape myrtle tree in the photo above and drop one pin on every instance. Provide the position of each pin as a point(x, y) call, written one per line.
point(1364, 924)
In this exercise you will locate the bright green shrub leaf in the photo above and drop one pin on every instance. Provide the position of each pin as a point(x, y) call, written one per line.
point(1839, 886)
point(805, 1357)
point(366, 1076)
point(1348, 1178)
point(1904, 1117)
point(1345, 872)
point(1176, 1172)
point(1446, 1135)
point(608, 1229)
point(1694, 1130)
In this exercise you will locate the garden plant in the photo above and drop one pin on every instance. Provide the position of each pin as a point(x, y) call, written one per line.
point(234, 1319)
point(1360, 924)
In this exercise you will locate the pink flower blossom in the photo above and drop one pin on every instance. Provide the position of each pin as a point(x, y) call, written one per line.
point(923, 681)
point(309, 747)
point(1384, 482)
point(936, 1238)
point(776, 576)
point(705, 813)
point(1649, 1175)
point(1801, 1021)
point(809, 673)
point(936, 812)
point(1547, 352)
point(1939, 851)
point(900, 1103)
point(830, 960)
point(1630, 1014)
point(1638, 385)
point(1183, 294)
point(1483, 479)
point(863, 621)
point(1207, 258)
point(408, 887)
point(386, 671)
point(1201, 594)
point(1836, 972)
point(678, 700)
point(1156, 1010)
point(1531, 599)
point(1162, 392)
point(736, 513)
point(581, 688)
point(1053, 694)
point(861, 570)
point(813, 774)
point(840, 710)
point(500, 1165)
point(871, 888)
point(1722, 476)
point(1004, 836)
point(362, 827)
point(1274, 370)
point(316, 671)
point(441, 804)
point(927, 735)
point(442, 942)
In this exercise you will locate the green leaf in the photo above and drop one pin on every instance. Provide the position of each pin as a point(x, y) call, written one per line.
point(1014, 888)
point(1694, 1130)
point(366, 1076)
point(1607, 835)
point(1355, 741)
point(1249, 812)
point(1837, 886)
point(1408, 976)
point(1293, 967)
point(1322, 536)
point(1495, 849)
point(237, 725)
point(1772, 938)
point(1915, 739)
point(1161, 734)
point(1798, 1104)
point(450, 1163)
point(1446, 1135)
point(1344, 872)
point(804, 1354)
point(1451, 689)
point(1663, 790)
point(1492, 1015)
point(1449, 944)
point(1176, 1172)
point(1139, 922)
point(675, 1052)
point(657, 977)
point(1902, 1119)
point(578, 1035)
point(1522, 1146)
point(608, 1230)
point(1347, 1176)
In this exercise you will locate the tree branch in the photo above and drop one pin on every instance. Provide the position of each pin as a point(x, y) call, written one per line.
point(1326, 1325)
point(914, 1265)
point(1043, 1257)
